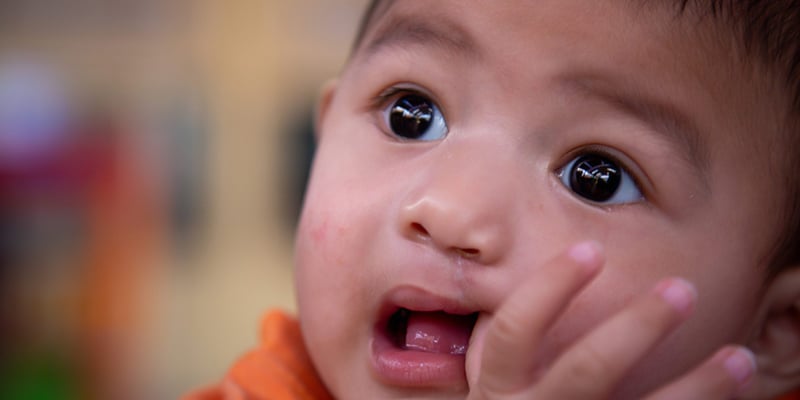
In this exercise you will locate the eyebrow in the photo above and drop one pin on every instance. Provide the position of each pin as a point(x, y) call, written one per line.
point(404, 30)
point(668, 120)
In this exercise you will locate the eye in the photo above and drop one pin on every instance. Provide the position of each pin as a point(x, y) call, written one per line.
point(415, 117)
point(600, 179)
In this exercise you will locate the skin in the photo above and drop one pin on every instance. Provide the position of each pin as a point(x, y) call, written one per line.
point(482, 219)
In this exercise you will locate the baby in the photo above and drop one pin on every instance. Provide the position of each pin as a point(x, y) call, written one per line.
point(550, 199)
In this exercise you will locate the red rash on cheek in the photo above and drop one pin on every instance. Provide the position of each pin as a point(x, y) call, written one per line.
point(326, 239)
point(319, 232)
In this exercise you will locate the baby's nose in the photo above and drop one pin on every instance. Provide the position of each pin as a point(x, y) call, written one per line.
point(460, 209)
point(455, 228)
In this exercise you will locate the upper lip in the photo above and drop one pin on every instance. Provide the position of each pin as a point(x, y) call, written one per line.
point(418, 299)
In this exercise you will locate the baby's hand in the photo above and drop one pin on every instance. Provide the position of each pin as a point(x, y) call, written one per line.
point(501, 362)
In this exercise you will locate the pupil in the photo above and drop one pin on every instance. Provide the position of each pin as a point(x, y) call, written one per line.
point(595, 178)
point(411, 116)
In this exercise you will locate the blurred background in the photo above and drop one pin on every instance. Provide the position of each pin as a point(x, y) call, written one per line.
point(153, 155)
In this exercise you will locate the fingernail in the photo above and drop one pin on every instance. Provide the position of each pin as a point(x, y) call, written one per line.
point(679, 293)
point(586, 254)
point(741, 365)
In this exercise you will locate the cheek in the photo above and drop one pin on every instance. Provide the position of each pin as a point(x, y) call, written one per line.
point(325, 222)
point(320, 257)
point(728, 290)
point(328, 282)
point(728, 281)
point(332, 247)
point(337, 240)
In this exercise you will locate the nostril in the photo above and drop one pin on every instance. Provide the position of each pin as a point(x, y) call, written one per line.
point(468, 253)
point(420, 233)
point(419, 230)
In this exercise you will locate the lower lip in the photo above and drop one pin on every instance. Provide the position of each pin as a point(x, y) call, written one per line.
point(416, 369)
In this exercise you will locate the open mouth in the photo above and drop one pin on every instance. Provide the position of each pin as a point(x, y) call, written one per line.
point(421, 340)
point(430, 331)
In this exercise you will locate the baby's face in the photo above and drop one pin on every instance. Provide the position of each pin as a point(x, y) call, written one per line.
point(468, 142)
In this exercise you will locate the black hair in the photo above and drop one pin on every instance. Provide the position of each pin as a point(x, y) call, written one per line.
point(768, 32)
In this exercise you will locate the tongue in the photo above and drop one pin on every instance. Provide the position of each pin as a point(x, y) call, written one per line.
point(438, 332)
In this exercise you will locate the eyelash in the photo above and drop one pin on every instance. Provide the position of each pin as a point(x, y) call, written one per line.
point(382, 100)
point(392, 91)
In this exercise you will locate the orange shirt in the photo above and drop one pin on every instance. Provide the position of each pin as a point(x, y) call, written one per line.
point(280, 369)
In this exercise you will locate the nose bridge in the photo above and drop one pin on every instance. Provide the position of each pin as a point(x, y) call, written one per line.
point(462, 202)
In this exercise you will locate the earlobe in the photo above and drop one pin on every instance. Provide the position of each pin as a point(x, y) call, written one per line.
point(777, 343)
point(326, 98)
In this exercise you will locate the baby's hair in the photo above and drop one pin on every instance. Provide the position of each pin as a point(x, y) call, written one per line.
point(769, 33)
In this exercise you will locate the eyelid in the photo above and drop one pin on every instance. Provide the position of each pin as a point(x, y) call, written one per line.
point(393, 91)
point(637, 174)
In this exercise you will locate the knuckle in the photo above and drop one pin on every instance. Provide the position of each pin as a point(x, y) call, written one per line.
point(590, 370)
point(506, 328)
point(654, 318)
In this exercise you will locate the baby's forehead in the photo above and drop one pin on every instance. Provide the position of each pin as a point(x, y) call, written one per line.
point(709, 42)
point(421, 20)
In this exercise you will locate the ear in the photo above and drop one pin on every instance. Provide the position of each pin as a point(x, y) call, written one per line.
point(326, 98)
point(777, 343)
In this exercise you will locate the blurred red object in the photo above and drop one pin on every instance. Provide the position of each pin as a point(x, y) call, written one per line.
point(96, 177)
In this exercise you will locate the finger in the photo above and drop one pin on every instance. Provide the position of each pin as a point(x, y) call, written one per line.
point(725, 374)
point(515, 331)
point(597, 363)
